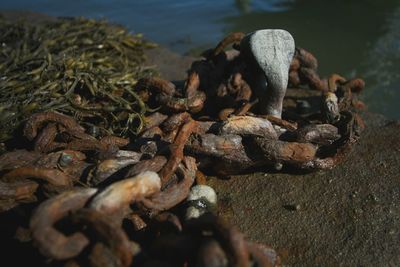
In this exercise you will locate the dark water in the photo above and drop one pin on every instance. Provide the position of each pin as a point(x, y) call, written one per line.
point(352, 38)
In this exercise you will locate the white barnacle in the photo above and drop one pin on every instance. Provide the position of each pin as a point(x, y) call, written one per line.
point(201, 199)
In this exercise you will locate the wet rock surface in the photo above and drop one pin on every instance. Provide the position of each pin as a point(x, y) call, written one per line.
point(347, 216)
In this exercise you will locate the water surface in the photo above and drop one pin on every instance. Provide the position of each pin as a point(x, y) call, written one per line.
point(353, 38)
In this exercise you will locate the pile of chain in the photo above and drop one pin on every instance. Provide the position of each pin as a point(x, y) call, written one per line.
point(108, 206)
point(104, 200)
point(229, 134)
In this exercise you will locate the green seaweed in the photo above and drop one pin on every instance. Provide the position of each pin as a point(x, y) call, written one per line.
point(80, 67)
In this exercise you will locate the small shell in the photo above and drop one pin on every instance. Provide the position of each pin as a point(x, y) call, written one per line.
point(65, 159)
point(330, 107)
point(201, 199)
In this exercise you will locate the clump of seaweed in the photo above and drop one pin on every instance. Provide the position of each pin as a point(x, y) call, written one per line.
point(81, 67)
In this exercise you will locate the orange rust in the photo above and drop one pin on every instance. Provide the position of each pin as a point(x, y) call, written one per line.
point(281, 122)
point(51, 242)
point(38, 119)
point(192, 84)
point(297, 152)
point(170, 218)
point(359, 121)
point(176, 193)
point(155, 165)
point(114, 140)
point(18, 190)
point(177, 151)
point(312, 79)
point(25, 190)
point(162, 85)
point(236, 79)
point(175, 121)
point(224, 114)
point(18, 158)
point(233, 37)
point(244, 92)
point(52, 176)
point(235, 243)
point(137, 222)
point(196, 103)
point(294, 78)
point(306, 59)
point(86, 145)
point(245, 108)
point(354, 85)
point(170, 136)
point(358, 104)
point(45, 138)
point(153, 120)
point(114, 237)
point(200, 178)
point(333, 82)
point(152, 132)
point(295, 64)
